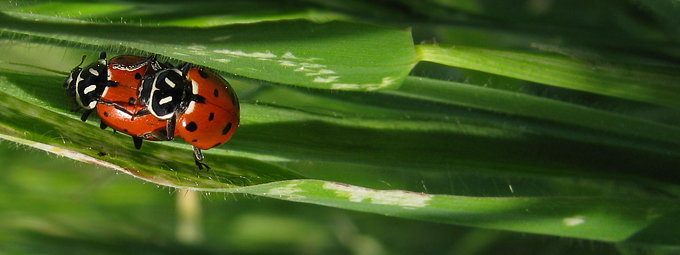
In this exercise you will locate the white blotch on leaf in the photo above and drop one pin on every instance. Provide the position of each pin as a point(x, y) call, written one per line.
point(328, 79)
point(345, 86)
point(573, 221)
point(239, 53)
point(321, 72)
point(312, 65)
point(287, 63)
point(197, 50)
point(288, 55)
point(384, 83)
point(289, 191)
point(401, 198)
point(307, 66)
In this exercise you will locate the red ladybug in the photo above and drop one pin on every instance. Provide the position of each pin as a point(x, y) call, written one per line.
point(200, 106)
point(118, 106)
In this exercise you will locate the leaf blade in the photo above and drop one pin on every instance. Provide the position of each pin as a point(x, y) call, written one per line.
point(296, 52)
point(588, 218)
point(650, 84)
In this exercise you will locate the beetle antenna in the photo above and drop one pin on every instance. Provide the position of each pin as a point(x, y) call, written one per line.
point(82, 60)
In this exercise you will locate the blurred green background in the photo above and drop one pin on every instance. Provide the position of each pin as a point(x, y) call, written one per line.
point(54, 205)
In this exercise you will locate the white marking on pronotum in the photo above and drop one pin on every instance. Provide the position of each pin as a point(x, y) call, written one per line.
point(169, 82)
point(106, 91)
point(89, 89)
point(401, 198)
point(573, 221)
point(194, 87)
point(80, 78)
point(92, 104)
point(190, 108)
point(93, 71)
point(166, 100)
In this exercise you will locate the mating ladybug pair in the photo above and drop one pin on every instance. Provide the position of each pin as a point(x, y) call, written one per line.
point(153, 101)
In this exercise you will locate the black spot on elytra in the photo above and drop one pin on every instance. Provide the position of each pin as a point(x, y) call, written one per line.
point(216, 93)
point(106, 114)
point(193, 141)
point(226, 129)
point(191, 127)
point(234, 100)
point(125, 130)
point(203, 74)
point(138, 76)
point(212, 116)
point(131, 101)
point(217, 144)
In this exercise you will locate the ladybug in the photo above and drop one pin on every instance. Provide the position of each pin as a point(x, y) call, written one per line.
point(200, 106)
point(118, 106)
point(86, 85)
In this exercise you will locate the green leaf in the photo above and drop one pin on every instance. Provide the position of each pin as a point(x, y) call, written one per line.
point(381, 147)
point(430, 150)
point(541, 108)
point(606, 219)
point(578, 71)
point(296, 52)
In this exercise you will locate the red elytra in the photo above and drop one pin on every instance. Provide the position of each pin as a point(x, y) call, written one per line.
point(119, 107)
point(212, 122)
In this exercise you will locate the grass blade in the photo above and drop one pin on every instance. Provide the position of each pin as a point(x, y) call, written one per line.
point(650, 84)
point(296, 52)
point(614, 220)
